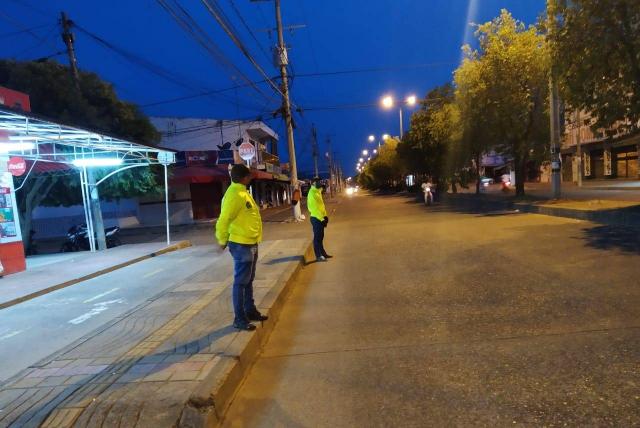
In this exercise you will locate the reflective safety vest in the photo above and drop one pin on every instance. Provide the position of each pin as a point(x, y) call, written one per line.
point(315, 204)
point(240, 220)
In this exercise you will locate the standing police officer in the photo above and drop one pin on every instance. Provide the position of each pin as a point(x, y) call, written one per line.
point(319, 219)
point(240, 228)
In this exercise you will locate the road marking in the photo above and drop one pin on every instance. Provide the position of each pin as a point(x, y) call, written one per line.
point(10, 335)
point(101, 295)
point(98, 308)
point(147, 275)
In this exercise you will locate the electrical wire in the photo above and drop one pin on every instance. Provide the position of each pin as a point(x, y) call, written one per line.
point(149, 66)
point(217, 13)
point(188, 24)
point(248, 28)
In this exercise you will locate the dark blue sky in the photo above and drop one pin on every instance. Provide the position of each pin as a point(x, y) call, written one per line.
point(340, 35)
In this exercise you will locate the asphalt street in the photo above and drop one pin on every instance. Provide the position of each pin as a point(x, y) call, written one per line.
point(436, 317)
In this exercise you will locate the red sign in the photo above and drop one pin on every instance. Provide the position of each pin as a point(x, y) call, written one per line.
point(246, 151)
point(17, 166)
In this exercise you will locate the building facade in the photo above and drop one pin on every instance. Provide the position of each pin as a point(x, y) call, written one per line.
point(601, 154)
point(206, 150)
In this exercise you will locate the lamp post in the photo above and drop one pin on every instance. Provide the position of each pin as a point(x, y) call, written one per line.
point(388, 102)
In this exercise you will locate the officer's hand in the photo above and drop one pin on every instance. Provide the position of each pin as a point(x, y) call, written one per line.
point(326, 221)
point(222, 247)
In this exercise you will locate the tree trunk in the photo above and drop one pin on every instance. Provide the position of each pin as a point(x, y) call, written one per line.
point(477, 174)
point(32, 200)
point(521, 169)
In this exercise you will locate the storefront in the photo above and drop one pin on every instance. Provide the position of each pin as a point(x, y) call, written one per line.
point(26, 139)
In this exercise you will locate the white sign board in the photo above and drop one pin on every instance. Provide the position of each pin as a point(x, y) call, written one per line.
point(247, 151)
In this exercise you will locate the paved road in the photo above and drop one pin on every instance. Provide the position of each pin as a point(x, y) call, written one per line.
point(428, 317)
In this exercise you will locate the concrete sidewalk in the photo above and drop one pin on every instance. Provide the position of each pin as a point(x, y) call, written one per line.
point(52, 272)
point(174, 360)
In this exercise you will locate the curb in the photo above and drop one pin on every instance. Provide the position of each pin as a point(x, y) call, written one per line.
point(174, 247)
point(627, 217)
point(208, 403)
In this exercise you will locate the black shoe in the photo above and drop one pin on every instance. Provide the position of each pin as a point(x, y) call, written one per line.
point(257, 316)
point(246, 326)
point(327, 256)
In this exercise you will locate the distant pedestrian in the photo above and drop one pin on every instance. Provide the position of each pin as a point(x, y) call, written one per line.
point(319, 219)
point(240, 228)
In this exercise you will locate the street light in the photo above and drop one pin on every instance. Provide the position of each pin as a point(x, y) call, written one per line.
point(388, 102)
point(372, 138)
point(375, 151)
point(385, 137)
point(361, 160)
point(365, 152)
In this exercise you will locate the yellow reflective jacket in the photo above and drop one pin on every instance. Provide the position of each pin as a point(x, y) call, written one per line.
point(240, 220)
point(315, 204)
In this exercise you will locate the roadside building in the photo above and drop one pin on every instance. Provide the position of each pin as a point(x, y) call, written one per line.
point(206, 149)
point(605, 154)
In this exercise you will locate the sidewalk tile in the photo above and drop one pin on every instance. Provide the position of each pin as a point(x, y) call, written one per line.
point(53, 381)
point(184, 375)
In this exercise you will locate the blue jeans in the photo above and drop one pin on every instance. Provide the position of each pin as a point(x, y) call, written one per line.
point(245, 259)
point(318, 237)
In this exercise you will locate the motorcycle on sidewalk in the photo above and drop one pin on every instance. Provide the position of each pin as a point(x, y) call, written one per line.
point(78, 238)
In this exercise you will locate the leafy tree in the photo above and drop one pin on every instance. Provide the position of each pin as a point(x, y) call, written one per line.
point(96, 107)
point(511, 86)
point(471, 99)
point(430, 148)
point(385, 170)
point(596, 51)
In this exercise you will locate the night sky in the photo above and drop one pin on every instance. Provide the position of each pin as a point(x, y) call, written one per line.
point(413, 45)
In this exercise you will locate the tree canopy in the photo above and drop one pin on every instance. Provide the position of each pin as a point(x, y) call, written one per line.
point(95, 106)
point(596, 51)
point(502, 92)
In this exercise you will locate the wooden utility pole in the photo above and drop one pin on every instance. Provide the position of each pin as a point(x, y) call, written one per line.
point(69, 39)
point(283, 61)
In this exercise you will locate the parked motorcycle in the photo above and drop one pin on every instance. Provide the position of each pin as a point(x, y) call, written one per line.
point(78, 238)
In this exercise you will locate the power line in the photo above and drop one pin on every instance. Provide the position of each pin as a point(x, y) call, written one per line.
point(217, 13)
point(190, 26)
point(148, 65)
point(248, 28)
point(26, 30)
point(305, 75)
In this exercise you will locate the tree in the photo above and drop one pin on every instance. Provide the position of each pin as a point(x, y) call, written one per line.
point(385, 170)
point(471, 98)
point(428, 149)
point(596, 51)
point(509, 74)
point(96, 107)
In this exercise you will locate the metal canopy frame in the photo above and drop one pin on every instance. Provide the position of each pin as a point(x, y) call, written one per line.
point(41, 140)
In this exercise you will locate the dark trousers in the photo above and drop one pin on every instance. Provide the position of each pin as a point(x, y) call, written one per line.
point(318, 237)
point(245, 259)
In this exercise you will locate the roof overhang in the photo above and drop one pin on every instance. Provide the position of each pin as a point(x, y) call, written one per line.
point(39, 139)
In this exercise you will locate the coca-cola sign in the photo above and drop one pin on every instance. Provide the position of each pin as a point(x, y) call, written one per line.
point(17, 166)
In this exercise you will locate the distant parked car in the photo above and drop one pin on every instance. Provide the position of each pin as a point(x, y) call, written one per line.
point(486, 181)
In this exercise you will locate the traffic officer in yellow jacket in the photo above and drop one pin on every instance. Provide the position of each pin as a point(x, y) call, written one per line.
point(319, 219)
point(240, 228)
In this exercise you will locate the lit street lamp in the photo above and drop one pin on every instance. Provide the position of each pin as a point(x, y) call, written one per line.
point(388, 102)
point(372, 138)
point(360, 160)
point(365, 152)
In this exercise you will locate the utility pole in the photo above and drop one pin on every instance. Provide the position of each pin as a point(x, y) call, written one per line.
point(314, 142)
point(94, 195)
point(283, 60)
point(554, 102)
point(330, 160)
point(68, 39)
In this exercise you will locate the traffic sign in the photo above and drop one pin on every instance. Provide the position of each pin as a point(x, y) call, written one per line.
point(247, 151)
